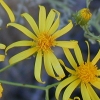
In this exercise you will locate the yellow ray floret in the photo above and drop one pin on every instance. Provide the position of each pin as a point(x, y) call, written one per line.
point(2, 57)
point(8, 10)
point(1, 90)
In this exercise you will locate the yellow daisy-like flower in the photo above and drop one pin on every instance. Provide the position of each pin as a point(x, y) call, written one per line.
point(8, 10)
point(43, 39)
point(2, 57)
point(84, 75)
point(1, 90)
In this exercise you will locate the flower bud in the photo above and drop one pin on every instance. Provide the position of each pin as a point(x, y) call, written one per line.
point(83, 16)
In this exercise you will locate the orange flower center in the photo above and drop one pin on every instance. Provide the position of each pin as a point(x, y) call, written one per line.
point(45, 42)
point(87, 72)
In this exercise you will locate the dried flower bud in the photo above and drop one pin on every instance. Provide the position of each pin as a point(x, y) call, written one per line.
point(83, 16)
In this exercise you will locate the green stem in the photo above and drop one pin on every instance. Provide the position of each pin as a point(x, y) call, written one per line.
point(89, 34)
point(47, 94)
point(52, 85)
point(3, 69)
point(29, 86)
point(22, 85)
point(88, 3)
point(32, 86)
point(47, 89)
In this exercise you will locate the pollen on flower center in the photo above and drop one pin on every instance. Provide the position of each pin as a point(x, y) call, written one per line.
point(87, 72)
point(45, 41)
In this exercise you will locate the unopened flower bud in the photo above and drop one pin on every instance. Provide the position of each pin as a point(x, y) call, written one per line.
point(83, 16)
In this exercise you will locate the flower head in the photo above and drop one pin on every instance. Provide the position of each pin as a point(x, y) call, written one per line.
point(8, 10)
point(83, 75)
point(83, 16)
point(43, 39)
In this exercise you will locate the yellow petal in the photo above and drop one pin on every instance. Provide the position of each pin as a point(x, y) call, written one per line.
point(48, 66)
point(68, 69)
point(23, 29)
point(63, 31)
point(19, 43)
point(63, 84)
point(84, 92)
point(42, 18)
point(32, 22)
point(49, 20)
point(22, 55)
point(77, 98)
point(96, 83)
point(8, 10)
point(96, 58)
point(88, 58)
point(92, 93)
point(70, 58)
point(56, 65)
point(1, 90)
point(2, 57)
point(37, 68)
point(68, 91)
point(98, 72)
point(55, 25)
point(2, 46)
point(78, 54)
point(66, 44)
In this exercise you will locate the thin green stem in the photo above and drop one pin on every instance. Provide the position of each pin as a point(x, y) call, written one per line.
point(22, 85)
point(47, 89)
point(32, 86)
point(4, 68)
point(29, 86)
point(47, 94)
point(52, 85)
point(88, 3)
point(89, 35)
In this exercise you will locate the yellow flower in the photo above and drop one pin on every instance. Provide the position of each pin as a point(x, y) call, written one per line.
point(8, 10)
point(83, 16)
point(2, 57)
point(84, 75)
point(43, 39)
point(1, 90)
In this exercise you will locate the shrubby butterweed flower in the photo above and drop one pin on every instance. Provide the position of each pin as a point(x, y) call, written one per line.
point(83, 16)
point(84, 75)
point(43, 39)
point(8, 10)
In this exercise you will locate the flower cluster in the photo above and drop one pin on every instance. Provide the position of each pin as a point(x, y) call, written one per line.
point(43, 38)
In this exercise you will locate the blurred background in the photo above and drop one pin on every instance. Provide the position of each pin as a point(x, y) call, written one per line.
point(23, 71)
